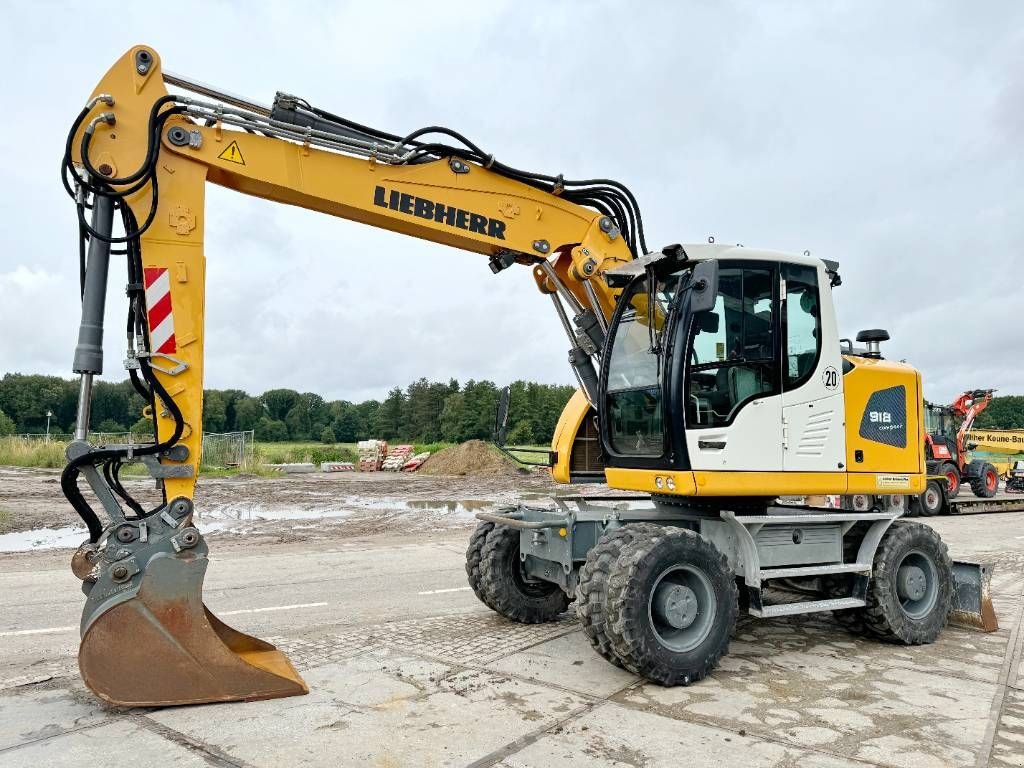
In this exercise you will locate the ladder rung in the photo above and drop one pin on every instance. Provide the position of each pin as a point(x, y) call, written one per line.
point(814, 606)
point(814, 570)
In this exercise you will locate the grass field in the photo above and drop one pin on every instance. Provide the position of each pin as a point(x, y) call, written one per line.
point(19, 452)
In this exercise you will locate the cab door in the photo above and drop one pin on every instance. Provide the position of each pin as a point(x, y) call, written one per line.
point(732, 388)
point(813, 429)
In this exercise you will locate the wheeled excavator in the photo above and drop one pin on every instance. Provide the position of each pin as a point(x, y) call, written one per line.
point(711, 383)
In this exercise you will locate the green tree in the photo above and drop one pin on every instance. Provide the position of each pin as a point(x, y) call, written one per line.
point(391, 417)
point(327, 435)
point(521, 433)
point(110, 426)
point(271, 430)
point(1004, 412)
point(215, 416)
point(6, 424)
point(248, 412)
point(143, 427)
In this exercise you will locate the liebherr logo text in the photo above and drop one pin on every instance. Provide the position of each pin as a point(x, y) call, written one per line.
point(423, 208)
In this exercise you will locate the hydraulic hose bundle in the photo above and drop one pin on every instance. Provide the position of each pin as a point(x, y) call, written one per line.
point(100, 185)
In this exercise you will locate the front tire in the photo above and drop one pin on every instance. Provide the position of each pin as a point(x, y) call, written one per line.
point(910, 594)
point(984, 480)
point(672, 604)
point(505, 587)
point(592, 590)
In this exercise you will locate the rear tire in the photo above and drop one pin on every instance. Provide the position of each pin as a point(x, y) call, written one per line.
point(473, 554)
point(672, 604)
point(953, 480)
point(910, 594)
point(507, 590)
point(984, 480)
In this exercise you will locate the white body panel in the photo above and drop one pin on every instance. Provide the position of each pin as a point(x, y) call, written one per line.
point(753, 442)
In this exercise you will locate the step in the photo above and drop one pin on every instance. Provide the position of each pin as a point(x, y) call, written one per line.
point(811, 517)
point(814, 570)
point(814, 606)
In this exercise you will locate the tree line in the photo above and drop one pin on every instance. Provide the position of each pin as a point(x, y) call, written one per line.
point(425, 411)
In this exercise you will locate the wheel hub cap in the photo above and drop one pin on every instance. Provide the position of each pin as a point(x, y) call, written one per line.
point(912, 582)
point(676, 605)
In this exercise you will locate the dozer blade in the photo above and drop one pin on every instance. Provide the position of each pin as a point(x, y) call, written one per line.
point(972, 597)
point(147, 638)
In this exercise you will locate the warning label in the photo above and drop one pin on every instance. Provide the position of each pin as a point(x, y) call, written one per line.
point(892, 481)
point(232, 154)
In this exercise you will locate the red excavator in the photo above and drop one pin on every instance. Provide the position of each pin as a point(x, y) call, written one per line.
point(946, 448)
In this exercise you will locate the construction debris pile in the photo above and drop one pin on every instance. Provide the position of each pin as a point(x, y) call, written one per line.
point(396, 458)
point(374, 455)
point(371, 454)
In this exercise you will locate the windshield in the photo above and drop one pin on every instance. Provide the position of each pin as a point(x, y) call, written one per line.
point(635, 368)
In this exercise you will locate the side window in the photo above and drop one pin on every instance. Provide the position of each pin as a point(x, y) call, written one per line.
point(732, 357)
point(803, 324)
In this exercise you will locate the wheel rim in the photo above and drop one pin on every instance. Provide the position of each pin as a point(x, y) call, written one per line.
point(526, 585)
point(917, 584)
point(682, 607)
point(952, 481)
point(991, 480)
point(931, 499)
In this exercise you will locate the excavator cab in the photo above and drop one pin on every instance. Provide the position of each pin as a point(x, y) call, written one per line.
point(736, 345)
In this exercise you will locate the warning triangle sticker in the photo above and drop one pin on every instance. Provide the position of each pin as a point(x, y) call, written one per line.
point(232, 154)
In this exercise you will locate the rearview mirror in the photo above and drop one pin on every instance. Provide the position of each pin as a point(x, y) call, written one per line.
point(703, 286)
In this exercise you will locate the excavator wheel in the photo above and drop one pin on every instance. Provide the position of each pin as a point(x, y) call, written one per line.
point(592, 590)
point(672, 605)
point(147, 638)
point(911, 590)
point(984, 479)
point(505, 587)
point(473, 554)
point(952, 478)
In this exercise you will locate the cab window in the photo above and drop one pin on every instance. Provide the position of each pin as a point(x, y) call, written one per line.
point(636, 367)
point(803, 324)
point(733, 352)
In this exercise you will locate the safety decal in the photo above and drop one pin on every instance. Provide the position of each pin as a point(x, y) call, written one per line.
point(232, 154)
point(892, 481)
point(158, 308)
point(885, 417)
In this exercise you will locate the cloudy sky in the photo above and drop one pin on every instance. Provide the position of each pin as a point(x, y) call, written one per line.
point(887, 136)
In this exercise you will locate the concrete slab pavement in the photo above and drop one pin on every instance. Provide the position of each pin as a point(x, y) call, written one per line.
point(409, 670)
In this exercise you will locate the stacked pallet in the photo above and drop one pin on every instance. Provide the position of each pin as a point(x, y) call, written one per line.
point(371, 454)
point(414, 463)
point(397, 457)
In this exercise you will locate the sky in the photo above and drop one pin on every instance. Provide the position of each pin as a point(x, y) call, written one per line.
point(886, 136)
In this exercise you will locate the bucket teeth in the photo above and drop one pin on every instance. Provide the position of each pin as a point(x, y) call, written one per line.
point(148, 639)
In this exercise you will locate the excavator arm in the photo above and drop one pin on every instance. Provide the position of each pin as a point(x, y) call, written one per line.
point(146, 155)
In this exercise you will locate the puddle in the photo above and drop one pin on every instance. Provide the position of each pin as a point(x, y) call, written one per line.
point(43, 538)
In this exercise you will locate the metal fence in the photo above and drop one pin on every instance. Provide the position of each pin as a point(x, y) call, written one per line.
point(229, 449)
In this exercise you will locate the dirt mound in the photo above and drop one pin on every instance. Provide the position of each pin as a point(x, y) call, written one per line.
point(474, 457)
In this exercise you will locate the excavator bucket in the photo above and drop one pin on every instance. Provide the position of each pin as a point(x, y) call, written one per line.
point(972, 597)
point(147, 638)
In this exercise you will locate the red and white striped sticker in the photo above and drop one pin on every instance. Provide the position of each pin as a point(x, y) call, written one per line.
point(158, 306)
